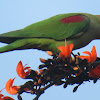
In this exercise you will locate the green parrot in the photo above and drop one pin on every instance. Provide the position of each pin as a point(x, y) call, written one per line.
point(47, 35)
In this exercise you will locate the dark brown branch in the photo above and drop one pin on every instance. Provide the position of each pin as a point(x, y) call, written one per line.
point(41, 91)
point(58, 71)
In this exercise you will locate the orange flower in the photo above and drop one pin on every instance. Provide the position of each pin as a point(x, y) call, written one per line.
point(92, 55)
point(65, 50)
point(11, 89)
point(95, 72)
point(20, 69)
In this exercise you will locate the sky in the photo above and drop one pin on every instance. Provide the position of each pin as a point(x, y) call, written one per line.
point(17, 14)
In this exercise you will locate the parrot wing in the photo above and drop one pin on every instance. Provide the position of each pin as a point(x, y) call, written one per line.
point(59, 27)
point(47, 34)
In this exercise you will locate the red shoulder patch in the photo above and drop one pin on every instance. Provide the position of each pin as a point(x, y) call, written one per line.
point(72, 19)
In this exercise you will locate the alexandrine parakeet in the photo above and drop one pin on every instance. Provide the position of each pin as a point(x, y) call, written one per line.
point(76, 28)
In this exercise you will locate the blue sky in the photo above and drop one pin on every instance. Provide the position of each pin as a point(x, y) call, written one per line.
point(17, 14)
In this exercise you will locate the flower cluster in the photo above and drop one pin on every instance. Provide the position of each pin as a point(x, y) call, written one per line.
point(64, 68)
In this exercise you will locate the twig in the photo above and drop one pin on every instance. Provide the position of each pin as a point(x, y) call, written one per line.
point(42, 91)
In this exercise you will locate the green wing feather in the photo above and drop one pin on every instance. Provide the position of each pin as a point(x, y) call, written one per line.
point(51, 28)
point(45, 35)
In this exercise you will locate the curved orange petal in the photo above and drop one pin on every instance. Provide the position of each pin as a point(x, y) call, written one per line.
point(9, 88)
point(70, 46)
point(1, 95)
point(63, 51)
point(7, 98)
point(21, 70)
point(68, 49)
point(87, 52)
point(62, 48)
point(94, 54)
point(8, 85)
point(85, 57)
point(89, 57)
point(14, 90)
point(65, 44)
point(93, 50)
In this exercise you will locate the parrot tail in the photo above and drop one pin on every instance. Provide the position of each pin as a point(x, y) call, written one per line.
point(31, 43)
